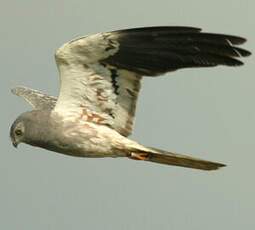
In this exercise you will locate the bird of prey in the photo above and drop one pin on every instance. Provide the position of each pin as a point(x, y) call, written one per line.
point(100, 79)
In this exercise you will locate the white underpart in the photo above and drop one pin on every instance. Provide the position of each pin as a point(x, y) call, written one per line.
point(100, 141)
point(79, 70)
point(87, 85)
point(79, 90)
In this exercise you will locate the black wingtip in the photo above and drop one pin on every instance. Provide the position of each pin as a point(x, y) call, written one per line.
point(246, 53)
point(160, 29)
point(232, 62)
point(216, 166)
point(151, 51)
point(235, 40)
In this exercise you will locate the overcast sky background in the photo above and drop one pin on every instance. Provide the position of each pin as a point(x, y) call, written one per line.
point(207, 113)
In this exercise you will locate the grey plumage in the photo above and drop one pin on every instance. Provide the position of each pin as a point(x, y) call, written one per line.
point(39, 130)
point(100, 82)
point(35, 98)
point(34, 127)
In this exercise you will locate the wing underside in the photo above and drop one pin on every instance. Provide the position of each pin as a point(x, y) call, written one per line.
point(100, 74)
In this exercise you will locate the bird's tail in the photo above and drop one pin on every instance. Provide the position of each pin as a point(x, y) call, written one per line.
point(164, 157)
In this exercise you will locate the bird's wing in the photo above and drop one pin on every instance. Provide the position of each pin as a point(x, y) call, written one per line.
point(100, 74)
point(35, 98)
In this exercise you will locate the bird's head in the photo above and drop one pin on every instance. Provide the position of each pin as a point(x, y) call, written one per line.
point(28, 126)
point(17, 131)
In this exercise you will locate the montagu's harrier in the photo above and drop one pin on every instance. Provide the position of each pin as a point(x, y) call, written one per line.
point(100, 78)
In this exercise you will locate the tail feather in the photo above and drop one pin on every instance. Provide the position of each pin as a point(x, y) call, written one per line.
point(164, 157)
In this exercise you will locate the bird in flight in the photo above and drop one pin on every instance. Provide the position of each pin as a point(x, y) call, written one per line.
point(100, 79)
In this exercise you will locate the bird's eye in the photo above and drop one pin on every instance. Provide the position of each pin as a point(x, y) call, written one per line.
point(18, 132)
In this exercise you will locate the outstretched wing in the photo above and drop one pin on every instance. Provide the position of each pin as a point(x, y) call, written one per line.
point(35, 98)
point(101, 73)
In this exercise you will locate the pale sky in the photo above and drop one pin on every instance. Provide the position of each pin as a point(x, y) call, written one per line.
point(207, 113)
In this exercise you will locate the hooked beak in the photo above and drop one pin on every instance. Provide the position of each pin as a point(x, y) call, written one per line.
point(15, 143)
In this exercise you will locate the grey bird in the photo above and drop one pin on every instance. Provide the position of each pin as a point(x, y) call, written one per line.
point(100, 78)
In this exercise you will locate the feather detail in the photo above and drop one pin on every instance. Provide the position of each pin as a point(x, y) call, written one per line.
point(102, 72)
point(168, 158)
